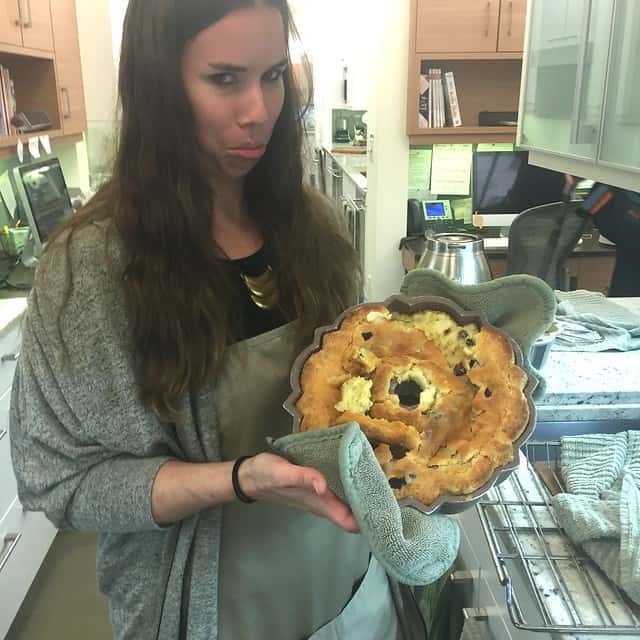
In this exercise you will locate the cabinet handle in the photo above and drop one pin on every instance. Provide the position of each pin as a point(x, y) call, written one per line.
point(10, 357)
point(486, 31)
point(576, 123)
point(28, 23)
point(3, 433)
point(65, 92)
point(12, 540)
point(510, 29)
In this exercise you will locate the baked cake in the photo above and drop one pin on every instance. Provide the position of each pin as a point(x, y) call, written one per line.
point(440, 403)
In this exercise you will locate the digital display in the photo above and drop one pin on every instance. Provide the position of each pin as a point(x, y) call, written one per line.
point(48, 197)
point(434, 210)
point(505, 182)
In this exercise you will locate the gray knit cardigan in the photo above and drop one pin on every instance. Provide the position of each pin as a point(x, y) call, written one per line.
point(86, 452)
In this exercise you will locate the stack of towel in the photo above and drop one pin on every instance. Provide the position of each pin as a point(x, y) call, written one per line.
point(591, 322)
point(601, 511)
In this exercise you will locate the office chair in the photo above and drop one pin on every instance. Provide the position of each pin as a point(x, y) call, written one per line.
point(541, 239)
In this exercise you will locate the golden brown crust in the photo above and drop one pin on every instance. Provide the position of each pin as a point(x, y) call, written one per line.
point(441, 404)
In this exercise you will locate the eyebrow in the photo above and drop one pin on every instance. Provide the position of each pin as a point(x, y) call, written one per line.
point(232, 68)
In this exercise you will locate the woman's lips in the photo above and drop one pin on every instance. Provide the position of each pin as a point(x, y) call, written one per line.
point(248, 153)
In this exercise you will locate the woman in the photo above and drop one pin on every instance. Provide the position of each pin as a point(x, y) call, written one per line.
point(159, 338)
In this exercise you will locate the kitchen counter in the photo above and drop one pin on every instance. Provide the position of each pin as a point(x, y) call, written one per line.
point(413, 247)
point(353, 166)
point(10, 312)
point(593, 386)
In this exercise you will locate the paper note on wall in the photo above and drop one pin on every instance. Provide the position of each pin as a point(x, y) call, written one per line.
point(495, 146)
point(46, 144)
point(419, 169)
point(462, 210)
point(34, 148)
point(6, 189)
point(451, 169)
point(20, 151)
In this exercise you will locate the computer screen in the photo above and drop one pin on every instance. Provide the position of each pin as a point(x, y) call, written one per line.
point(505, 182)
point(47, 197)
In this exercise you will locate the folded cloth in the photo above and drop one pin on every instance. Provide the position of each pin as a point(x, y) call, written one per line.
point(603, 513)
point(591, 322)
point(521, 305)
point(414, 548)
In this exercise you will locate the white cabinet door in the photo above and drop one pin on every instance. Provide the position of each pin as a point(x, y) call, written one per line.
point(621, 132)
point(564, 82)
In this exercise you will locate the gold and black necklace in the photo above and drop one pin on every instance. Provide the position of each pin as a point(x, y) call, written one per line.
point(261, 281)
point(263, 288)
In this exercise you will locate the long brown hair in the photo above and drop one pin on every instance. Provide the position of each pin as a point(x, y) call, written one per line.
point(160, 200)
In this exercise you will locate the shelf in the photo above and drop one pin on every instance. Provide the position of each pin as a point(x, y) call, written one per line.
point(454, 135)
point(8, 143)
point(489, 55)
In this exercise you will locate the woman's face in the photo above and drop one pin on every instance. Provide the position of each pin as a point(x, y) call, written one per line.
point(232, 73)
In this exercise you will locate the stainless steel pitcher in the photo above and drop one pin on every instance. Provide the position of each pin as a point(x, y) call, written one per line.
point(460, 256)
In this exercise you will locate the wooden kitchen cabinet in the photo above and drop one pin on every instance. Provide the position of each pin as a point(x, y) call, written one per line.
point(10, 23)
point(45, 66)
point(36, 24)
point(461, 26)
point(470, 26)
point(481, 43)
point(68, 66)
point(513, 18)
point(26, 23)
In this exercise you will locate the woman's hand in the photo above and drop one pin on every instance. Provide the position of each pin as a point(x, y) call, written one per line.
point(270, 478)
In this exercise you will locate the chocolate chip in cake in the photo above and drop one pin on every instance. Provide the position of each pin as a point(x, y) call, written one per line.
point(470, 343)
point(459, 369)
point(397, 483)
point(463, 335)
point(447, 331)
point(398, 452)
point(488, 393)
point(374, 443)
point(472, 363)
point(367, 335)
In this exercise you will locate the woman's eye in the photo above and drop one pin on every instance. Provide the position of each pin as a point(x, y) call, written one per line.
point(274, 75)
point(222, 79)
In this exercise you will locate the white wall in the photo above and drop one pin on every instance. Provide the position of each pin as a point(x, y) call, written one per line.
point(96, 34)
point(388, 167)
point(336, 32)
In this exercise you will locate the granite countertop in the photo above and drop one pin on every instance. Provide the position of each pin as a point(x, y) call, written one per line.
point(593, 386)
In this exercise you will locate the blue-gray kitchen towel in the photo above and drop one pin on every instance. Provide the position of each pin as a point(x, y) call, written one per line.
point(414, 548)
point(592, 322)
point(522, 306)
point(602, 514)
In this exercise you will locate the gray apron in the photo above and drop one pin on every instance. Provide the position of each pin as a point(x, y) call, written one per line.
point(284, 573)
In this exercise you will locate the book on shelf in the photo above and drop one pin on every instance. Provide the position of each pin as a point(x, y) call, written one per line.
point(438, 101)
point(452, 99)
point(423, 103)
point(8, 96)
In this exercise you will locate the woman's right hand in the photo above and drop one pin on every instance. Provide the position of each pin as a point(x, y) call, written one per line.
point(270, 478)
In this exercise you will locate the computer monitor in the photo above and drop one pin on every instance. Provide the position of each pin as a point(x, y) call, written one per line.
point(505, 184)
point(43, 199)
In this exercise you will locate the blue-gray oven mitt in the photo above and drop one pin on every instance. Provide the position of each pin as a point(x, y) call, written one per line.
point(522, 306)
point(414, 548)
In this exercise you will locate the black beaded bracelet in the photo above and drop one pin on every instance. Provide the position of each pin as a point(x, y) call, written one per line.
point(240, 494)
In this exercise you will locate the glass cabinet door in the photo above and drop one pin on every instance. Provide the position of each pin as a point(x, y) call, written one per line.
point(621, 123)
point(563, 94)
